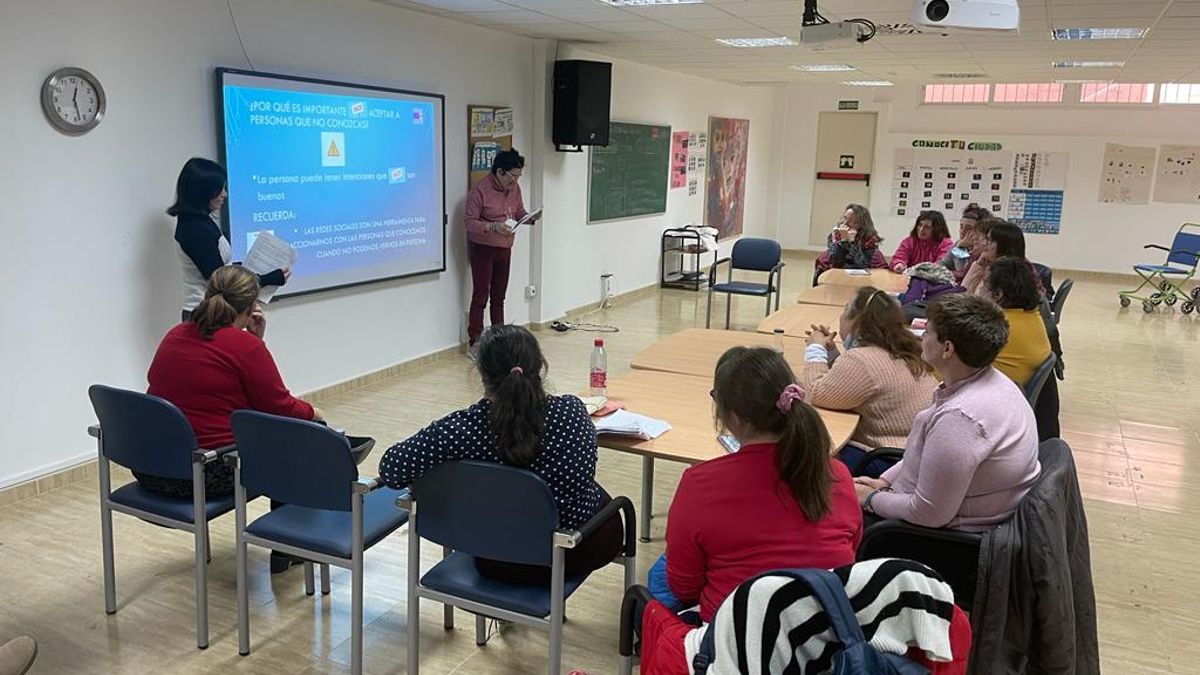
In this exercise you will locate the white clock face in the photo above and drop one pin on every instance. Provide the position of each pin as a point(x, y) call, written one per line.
point(75, 100)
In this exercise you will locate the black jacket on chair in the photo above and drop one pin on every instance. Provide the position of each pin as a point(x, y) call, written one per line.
point(1034, 607)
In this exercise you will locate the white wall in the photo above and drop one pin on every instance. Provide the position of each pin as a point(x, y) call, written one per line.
point(90, 282)
point(629, 248)
point(1093, 236)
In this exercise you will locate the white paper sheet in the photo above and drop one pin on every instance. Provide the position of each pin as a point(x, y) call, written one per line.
point(266, 254)
point(625, 423)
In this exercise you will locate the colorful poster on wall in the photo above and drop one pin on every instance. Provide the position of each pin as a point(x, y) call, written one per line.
point(725, 188)
point(1178, 175)
point(679, 159)
point(502, 122)
point(482, 121)
point(1039, 182)
point(1126, 174)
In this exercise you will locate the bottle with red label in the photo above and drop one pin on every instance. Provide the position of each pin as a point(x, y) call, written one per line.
point(599, 373)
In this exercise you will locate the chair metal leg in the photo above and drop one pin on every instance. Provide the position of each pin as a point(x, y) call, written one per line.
point(207, 544)
point(708, 314)
point(324, 578)
point(309, 581)
point(629, 563)
point(356, 585)
point(414, 603)
point(481, 636)
point(768, 312)
point(200, 530)
point(447, 610)
point(557, 609)
point(243, 591)
point(106, 532)
point(728, 308)
point(647, 495)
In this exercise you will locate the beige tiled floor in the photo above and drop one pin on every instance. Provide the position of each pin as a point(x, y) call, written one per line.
point(1128, 412)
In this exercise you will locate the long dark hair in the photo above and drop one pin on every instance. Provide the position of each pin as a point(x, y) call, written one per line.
point(879, 321)
point(199, 182)
point(748, 383)
point(1015, 282)
point(1010, 240)
point(232, 290)
point(940, 231)
point(511, 364)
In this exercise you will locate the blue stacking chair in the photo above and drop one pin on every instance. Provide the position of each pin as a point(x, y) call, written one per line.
point(149, 435)
point(1166, 281)
point(330, 515)
point(480, 509)
point(751, 254)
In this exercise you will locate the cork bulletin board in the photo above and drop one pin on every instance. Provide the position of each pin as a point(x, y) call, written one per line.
point(489, 130)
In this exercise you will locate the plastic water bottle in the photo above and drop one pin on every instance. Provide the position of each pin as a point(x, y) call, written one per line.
point(779, 340)
point(599, 374)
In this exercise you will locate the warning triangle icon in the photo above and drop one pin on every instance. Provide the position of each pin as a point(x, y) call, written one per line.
point(333, 150)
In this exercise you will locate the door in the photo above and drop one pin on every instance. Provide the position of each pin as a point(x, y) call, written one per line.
point(845, 155)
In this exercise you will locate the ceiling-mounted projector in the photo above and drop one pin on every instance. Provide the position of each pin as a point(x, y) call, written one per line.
point(968, 14)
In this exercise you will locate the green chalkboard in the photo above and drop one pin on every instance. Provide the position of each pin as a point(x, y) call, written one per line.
point(629, 176)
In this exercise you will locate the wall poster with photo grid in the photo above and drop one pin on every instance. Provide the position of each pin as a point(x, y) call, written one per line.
point(1039, 181)
point(948, 180)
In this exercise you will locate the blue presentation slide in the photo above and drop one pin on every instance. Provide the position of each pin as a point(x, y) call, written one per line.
point(350, 176)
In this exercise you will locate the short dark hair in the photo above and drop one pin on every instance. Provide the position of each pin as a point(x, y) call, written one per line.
point(199, 182)
point(975, 325)
point(512, 366)
point(1010, 240)
point(1013, 279)
point(940, 231)
point(507, 160)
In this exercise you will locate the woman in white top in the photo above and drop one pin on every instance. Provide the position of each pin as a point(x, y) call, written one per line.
point(201, 246)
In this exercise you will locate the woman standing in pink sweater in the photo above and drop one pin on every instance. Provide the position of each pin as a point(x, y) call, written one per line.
point(880, 375)
point(973, 455)
point(928, 242)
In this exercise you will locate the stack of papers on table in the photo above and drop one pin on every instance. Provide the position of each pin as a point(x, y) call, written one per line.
point(625, 423)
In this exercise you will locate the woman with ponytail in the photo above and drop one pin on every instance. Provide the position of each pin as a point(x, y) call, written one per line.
point(215, 363)
point(780, 501)
point(517, 423)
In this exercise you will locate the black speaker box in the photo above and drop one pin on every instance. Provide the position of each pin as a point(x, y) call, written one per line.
point(582, 92)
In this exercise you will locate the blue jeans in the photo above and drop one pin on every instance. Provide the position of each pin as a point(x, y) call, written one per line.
point(851, 455)
point(656, 581)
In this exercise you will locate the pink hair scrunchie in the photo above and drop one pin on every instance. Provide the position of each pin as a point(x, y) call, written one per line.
point(790, 393)
point(517, 370)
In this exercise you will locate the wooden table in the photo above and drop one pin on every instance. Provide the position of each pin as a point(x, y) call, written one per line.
point(695, 351)
point(683, 401)
point(795, 319)
point(827, 294)
point(885, 280)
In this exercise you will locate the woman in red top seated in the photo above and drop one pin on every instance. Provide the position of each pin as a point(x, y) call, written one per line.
point(780, 501)
point(213, 364)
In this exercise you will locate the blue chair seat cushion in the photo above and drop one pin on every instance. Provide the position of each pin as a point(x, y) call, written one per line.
point(135, 496)
point(1161, 269)
point(456, 575)
point(742, 288)
point(329, 532)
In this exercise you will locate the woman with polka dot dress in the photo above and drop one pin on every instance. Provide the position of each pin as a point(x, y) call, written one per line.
point(517, 423)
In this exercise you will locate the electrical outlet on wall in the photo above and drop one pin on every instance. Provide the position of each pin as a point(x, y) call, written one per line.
point(608, 288)
point(531, 291)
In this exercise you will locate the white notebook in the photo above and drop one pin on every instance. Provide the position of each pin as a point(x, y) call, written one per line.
point(625, 423)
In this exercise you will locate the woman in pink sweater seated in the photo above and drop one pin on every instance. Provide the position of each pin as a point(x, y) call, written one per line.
point(880, 375)
point(928, 242)
point(973, 455)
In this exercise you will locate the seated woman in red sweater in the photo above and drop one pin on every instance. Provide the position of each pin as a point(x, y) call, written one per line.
point(780, 501)
point(215, 363)
point(928, 242)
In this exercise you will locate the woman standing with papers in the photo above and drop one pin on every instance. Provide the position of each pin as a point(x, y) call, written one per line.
point(494, 209)
point(200, 244)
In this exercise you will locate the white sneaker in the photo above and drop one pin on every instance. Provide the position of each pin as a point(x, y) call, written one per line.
point(473, 353)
